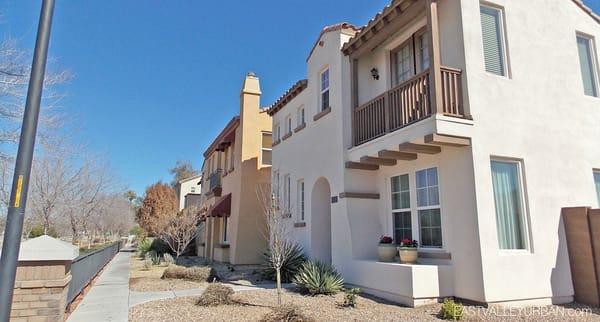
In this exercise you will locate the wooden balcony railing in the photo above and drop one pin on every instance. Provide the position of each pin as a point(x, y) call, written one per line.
point(405, 104)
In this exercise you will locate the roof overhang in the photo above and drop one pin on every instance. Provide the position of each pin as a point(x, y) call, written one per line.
point(289, 95)
point(394, 16)
point(225, 138)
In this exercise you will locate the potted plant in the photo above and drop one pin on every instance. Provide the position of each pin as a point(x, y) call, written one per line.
point(408, 251)
point(386, 250)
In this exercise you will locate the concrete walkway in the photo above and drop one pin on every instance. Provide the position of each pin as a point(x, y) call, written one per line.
point(108, 299)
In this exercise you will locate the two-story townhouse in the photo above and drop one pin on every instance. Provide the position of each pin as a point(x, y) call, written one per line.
point(466, 125)
point(189, 191)
point(235, 164)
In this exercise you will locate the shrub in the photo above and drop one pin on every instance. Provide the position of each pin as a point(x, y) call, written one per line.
point(451, 310)
point(38, 230)
point(147, 264)
point(144, 247)
point(153, 257)
point(287, 313)
point(215, 294)
point(316, 277)
point(197, 273)
point(137, 231)
point(350, 297)
point(168, 259)
point(159, 246)
point(294, 259)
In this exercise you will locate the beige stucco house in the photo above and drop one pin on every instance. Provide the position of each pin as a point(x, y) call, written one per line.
point(189, 191)
point(463, 124)
point(236, 163)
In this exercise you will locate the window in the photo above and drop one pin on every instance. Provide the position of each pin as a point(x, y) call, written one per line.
point(266, 149)
point(597, 182)
point(193, 189)
point(225, 228)
point(288, 124)
point(509, 202)
point(277, 130)
point(422, 50)
point(428, 208)
point(301, 119)
point(301, 199)
point(231, 156)
point(286, 192)
point(403, 63)
point(587, 62)
point(325, 89)
point(493, 40)
point(410, 58)
point(400, 193)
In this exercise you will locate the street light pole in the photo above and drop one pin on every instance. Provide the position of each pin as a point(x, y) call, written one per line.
point(20, 184)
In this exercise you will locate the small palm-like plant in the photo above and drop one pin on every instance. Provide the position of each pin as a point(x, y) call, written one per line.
point(316, 277)
point(292, 262)
point(144, 247)
point(154, 257)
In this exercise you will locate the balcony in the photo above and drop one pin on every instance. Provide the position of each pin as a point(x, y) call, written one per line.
point(214, 183)
point(406, 104)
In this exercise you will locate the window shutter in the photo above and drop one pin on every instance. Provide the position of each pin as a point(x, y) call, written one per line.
point(493, 50)
point(587, 67)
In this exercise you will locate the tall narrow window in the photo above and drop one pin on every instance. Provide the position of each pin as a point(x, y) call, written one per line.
point(266, 149)
point(422, 49)
point(301, 199)
point(403, 63)
point(400, 192)
point(587, 62)
point(508, 199)
point(428, 206)
point(301, 119)
point(225, 229)
point(325, 89)
point(597, 182)
point(494, 50)
point(288, 124)
point(286, 193)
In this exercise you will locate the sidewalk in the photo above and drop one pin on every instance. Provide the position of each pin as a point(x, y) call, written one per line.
point(108, 299)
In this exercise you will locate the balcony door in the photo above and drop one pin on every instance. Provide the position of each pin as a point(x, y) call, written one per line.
point(410, 58)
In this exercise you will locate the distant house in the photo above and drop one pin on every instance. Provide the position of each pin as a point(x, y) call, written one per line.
point(189, 191)
point(465, 125)
point(236, 164)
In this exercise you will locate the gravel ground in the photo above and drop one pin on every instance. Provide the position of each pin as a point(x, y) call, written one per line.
point(151, 281)
point(255, 304)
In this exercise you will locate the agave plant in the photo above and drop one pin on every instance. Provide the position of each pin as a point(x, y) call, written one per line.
point(315, 277)
point(144, 247)
point(293, 260)
point(154, 257)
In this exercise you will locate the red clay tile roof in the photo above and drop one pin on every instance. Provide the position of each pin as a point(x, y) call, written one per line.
point(338, 26)
point(288, 96)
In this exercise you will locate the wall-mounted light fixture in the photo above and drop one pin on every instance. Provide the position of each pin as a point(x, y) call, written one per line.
point(375, 73)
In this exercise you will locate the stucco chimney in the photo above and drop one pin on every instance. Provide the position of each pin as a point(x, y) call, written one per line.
point(251, 85)
point(250, 97)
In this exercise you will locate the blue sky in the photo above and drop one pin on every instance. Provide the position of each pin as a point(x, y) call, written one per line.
point(155, 81)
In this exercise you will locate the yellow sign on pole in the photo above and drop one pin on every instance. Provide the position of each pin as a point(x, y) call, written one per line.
point(18, 192)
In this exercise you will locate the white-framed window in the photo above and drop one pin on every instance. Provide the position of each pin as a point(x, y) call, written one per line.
point(288, 124)
point(324, 98)
point(277, 130)
point(509, 201)
point(493, 37)
point(597, 183)
point(301, 200)
point(410, 58)
point(225, 229)
point(286, 192)
point(588, 63)
point(401, 211)
point(428, 208)
point(266, 149)
point(275, 185)
point(301, 118)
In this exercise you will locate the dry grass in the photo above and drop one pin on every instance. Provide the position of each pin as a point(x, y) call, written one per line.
point(151, 280)
point(255, 305)
point(216, 294)
point(197, 274)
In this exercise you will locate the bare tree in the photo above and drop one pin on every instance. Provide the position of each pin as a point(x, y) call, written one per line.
point(179, 231)
point(182, 170)
point(15, 70)
point(276, 211)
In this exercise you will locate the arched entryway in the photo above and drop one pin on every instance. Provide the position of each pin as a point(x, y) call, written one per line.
point(320, 218)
